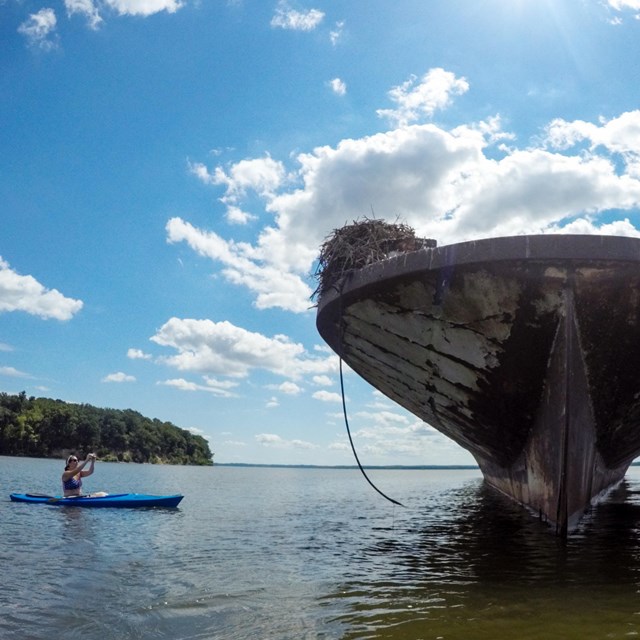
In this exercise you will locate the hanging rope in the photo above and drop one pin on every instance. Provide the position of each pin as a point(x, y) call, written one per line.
point(353, 448)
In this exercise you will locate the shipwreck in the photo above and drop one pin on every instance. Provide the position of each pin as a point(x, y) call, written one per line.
point(524, 350)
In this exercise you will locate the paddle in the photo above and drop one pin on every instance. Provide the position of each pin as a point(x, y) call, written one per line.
point(53, 498)
point(98, 494)
point(44, 495)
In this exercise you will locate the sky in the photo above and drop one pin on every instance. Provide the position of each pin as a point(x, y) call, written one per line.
point(169, 170)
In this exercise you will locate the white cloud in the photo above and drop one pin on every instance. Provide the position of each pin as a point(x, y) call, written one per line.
point(322, 381)
point(219, 384)
point(220, 389)
point(384, 420)
point(39, 29)
point(451, 184)
point(25, 293)
point(322, 348)
point(86, 8)
point(619, 135)
point(224, 349)
point(327, 396)
point(261, 176)
point(336, 34)
point(288, 18)
point(269, 439)
point(441, 182)
point(392, 431)
point(235, 443)
point(587, 226)
point(144, 7)
point(11, 372)
point(5, 347)
point(338, 86)
point(138, 354)
point(272, 403)
point(235, 215)
point(244, 265)
point(118, 377)
point(621, 5)
point(415, 101)
point(273, 440)
point(290, 388)
point(402, 435)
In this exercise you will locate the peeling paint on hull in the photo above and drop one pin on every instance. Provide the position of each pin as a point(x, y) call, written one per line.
point(523, 350)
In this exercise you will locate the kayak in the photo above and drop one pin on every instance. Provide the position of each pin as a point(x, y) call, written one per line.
point(110, 500)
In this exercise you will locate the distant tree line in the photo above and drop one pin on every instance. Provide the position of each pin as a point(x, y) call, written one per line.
point(41, 427)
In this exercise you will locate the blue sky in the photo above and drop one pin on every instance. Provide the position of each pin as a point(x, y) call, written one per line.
point(169, 170)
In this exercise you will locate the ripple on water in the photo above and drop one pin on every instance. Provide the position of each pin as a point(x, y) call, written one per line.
point(286, 553)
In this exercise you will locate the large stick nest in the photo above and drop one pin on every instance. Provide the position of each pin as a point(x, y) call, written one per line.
point(362, 243)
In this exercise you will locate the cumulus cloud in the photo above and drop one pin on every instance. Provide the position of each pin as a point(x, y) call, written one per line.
point(39, 29)
point(261, 176)
point(221, 348)
point(621, 5)
point(216, 387)
point(327, 396)
point(322, 381)
point(25, 293)
point(619, 136)
point(273, 440)
point(338, 86)
point(388, 430)
point(118, 377)
point(417, 99)
point(380, 434)
point(138, 354)
point(143, 7)
point(235, 215)
point(287, 18)
point(268, 439)
point(86, 8)
point(450, 183)
point(290, 388)
point(273, 284)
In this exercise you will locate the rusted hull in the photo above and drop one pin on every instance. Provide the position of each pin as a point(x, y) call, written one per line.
point(523, 350)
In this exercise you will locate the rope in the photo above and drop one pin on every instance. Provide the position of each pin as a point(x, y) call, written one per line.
point(353, 448)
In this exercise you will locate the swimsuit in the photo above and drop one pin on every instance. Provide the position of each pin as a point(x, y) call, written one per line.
point(74, 482)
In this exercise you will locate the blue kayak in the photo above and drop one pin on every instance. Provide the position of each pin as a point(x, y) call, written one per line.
point(110, 500)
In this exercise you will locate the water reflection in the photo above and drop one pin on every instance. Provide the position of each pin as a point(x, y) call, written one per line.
point(473, 565)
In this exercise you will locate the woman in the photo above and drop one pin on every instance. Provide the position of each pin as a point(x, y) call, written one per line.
point(73, 474)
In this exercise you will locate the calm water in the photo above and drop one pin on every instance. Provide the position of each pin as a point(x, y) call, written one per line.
point(309, 553)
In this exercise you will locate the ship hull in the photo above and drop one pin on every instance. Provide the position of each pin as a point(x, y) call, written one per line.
point(523, 350)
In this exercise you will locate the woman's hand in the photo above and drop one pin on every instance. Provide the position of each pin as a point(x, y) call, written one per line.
point(91, 458)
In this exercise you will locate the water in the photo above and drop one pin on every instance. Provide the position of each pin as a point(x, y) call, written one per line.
point(309, 553)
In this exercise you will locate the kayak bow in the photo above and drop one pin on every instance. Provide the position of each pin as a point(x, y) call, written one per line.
point(127, 500)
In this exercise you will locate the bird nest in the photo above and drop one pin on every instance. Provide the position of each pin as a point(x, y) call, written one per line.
point(360, 244)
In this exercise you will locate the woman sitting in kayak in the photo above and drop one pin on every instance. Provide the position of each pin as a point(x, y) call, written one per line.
point(73, 474)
